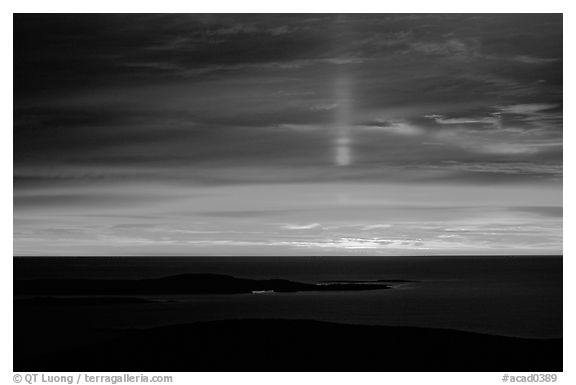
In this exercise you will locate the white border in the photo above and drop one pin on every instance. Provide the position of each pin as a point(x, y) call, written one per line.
point(303, 6)
point(293, 6)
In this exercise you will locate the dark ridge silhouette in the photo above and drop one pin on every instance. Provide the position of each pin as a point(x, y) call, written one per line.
point(79, 301)
point(378, 281)
point(297, 345)
point(179, 284)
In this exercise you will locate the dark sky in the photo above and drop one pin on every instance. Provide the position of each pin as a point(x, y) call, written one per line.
point(287, 134)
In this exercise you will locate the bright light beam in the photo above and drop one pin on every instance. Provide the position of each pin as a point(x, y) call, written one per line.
point(342, 141)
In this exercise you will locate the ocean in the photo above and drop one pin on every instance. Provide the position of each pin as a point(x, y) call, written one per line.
point(501, 295)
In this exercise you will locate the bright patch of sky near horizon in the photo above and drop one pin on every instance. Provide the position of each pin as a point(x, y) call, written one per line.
point(287, 134)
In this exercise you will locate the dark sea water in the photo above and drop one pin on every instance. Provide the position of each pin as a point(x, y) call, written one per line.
point(515, 296)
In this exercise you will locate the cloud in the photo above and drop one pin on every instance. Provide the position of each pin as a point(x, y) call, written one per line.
point(213, 132)
point(301, 227)
point(526, 109)
point(393, 127)
point(534, 60)
point(362, 243)
point(452, 48)
point(415, 230)
point(507, 168)
point(475, 120)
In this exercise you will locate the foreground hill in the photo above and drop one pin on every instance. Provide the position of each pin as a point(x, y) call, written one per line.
point(298, 345)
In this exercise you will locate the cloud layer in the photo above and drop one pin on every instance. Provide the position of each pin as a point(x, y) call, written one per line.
point(166, 121)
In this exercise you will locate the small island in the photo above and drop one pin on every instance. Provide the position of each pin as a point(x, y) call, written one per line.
point(186, 284)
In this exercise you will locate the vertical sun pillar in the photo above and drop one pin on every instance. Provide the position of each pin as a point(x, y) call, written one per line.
point(342, 141)
point(342, 151)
